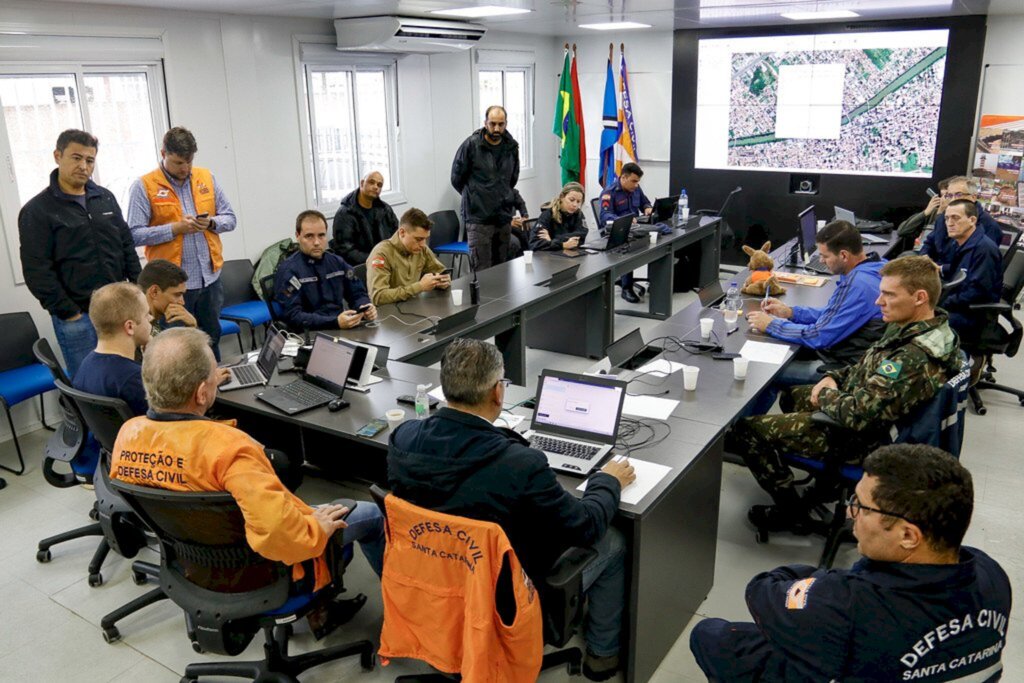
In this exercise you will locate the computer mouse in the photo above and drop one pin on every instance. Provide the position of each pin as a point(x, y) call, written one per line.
point(336, 405)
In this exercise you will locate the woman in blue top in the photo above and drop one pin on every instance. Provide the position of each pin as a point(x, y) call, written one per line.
point(561, 225)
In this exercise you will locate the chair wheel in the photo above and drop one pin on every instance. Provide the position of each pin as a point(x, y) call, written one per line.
point(575, 668)
point(44, 556)
point(761, 536)
point(982, 409)
point(197, 648)
point(139, 578)
point(94, 515)
point(1021, 401)
point(95, 579)
point(187, 679)
point(111, 635)
point(367, 660)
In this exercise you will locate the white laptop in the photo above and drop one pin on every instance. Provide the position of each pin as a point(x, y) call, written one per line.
point(576, 419)
point(259, 371)
point(851, 218)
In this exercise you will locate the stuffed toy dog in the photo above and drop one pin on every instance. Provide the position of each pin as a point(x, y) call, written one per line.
point(761, 276)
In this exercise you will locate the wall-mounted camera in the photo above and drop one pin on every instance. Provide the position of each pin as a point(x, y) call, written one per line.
point(804, 183)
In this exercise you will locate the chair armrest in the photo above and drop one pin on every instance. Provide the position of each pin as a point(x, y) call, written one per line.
point(954, 281)
point(706, 212)
point(569, 566)
point(820, 418)
point(999, 307)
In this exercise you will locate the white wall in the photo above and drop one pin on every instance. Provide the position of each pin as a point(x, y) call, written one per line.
point(1004, 55)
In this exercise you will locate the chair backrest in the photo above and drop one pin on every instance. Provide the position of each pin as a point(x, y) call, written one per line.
point(44, 354)
point(940, 421)
point(595, 206)
point(19, 333)
point(267, 288)
point(102, 415)
point(236, 278)
point(955, 281)
point(1011, 240)
point(446, 228)
point(1013, 278)
point(206, 566)
point(460, 564)
point(360, 272)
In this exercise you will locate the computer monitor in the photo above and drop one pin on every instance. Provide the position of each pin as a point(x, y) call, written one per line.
point(808, 232)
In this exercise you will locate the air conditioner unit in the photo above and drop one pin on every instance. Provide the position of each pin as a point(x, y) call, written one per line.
point(406, 34)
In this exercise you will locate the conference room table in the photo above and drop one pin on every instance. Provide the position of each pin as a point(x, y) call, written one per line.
point(518, 309)
point(671, 532)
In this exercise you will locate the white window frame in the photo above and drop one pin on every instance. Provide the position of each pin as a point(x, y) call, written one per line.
point(506, 61)
point(10, 202)
point(318, 54)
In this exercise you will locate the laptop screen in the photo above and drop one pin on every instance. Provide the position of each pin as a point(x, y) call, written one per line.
point(329, 362)
point(621, 351)
point(710, 294)
point(845, 215)
point(577, 405)
point(270, 352)
point(808, 230)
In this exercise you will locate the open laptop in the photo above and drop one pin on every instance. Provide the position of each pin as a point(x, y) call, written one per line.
point(711, 294)
point(808, 247)
point(618, 234)
point(576, 420)
point(324, 381)
point(259, 371)
point(864, 226)
point(631, 352)
point(457, 319)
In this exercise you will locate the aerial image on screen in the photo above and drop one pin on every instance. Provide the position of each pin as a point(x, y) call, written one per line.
point(863, 103)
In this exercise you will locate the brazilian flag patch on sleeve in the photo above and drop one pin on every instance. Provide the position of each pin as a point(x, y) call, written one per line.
point(890, 369)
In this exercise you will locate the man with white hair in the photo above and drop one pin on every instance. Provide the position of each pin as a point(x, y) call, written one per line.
point(939, 246)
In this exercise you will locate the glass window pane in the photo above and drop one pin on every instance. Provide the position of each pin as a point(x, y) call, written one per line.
point(334, 146)
point(36, 109)
point(372, 117)
point(516, 106)
point(490, 91)
point(122, 119)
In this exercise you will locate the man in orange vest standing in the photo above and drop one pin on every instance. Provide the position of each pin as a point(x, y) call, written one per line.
point(178, 213)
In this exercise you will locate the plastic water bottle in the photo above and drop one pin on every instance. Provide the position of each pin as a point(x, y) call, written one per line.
point(422, 402)
point(682, 209)
point(733, 303)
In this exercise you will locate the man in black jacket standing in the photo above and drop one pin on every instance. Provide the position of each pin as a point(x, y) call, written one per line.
point(485, 172)
point(74, 240)
point(459, 463)
point(362, 220)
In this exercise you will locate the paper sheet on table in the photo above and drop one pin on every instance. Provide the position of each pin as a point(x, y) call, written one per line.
point(508, 420)
point(436, 393)
point(649, 406)
point(764, 353)
point(661, 367)
point(648, 474)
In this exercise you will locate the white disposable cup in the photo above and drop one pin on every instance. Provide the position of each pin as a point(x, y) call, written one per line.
point(654, 237)
point(730, 317)
point(686, 214)
point(457, 297)
point(820, 225)
point(706, 325)
point(527, 257)
point(690, 373)
point(395, 417)
point(739, 368)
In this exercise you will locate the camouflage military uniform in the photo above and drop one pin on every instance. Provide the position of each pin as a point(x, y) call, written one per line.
point(905, 367)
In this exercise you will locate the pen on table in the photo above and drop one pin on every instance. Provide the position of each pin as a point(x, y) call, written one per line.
point(732, 330)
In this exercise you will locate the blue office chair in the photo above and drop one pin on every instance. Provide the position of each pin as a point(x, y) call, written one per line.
point(231, 327)
point(228, 591)
point(241, 305)
point(21, 377)
point(938, 422)
point(445, 236)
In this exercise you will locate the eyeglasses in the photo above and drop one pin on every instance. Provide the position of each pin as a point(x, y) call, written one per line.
point(504, 381)
point(956, 195)
point(854, 506)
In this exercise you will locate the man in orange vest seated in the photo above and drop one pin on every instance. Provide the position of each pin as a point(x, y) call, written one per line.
point(175, 447)
point(459, 463)
point(178, 213)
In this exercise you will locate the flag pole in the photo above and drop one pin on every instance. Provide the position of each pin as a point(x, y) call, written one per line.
point(611, 51)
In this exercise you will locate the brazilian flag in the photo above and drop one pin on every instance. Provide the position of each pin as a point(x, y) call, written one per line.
point(566, 125)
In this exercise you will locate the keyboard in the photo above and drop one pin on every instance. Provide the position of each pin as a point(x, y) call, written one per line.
point(305, 394)
point(816, 265)
point(246, 374)
point(572, 449)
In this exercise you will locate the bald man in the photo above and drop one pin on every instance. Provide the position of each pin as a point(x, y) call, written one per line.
point(362, 220)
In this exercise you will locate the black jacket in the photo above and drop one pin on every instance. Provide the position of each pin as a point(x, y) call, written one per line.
point(67, 252)
point(572, 225)
point(357, 231)
point(485, 175)
point(456, 463)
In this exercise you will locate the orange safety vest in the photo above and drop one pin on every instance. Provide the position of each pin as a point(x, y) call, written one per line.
point(206, 455)
point(440, 574)
point(165, 207)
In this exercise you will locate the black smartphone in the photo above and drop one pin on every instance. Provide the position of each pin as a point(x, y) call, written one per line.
point(931, 192)
point(722, 355)
point(203, 215)
point(446, 271)
point(364, 307)
point(372, 428)
point(410, 400)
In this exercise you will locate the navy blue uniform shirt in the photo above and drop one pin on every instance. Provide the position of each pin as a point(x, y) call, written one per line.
point(312, 292)
point(616, 202)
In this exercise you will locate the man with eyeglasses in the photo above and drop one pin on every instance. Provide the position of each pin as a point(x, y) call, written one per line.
point(458, 462)
point(918, 606)
point(938, 245)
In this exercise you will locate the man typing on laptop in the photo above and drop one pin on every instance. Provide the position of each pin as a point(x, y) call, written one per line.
point(458, 463)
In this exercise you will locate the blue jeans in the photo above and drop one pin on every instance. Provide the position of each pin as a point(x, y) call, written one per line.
point(795, 374)
point(205, 304)
point(732, 651)
point(604, 582)
point(366, 525)
point(76, 339)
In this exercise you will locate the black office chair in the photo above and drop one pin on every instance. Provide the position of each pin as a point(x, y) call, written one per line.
point(1010, 243)
point(595, 206)
point(562, 599)
point(69, 439)
point(241, 305)
point(446, 237)
point(938, 422)
point(359, 271)
point(228, 591)
point(267, 288)
point(997, 339)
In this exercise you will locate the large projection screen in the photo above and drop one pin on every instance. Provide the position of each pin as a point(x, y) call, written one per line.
point(857, 103)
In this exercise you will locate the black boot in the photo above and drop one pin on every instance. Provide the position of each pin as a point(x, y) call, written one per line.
point(629, 295)
point(335, 613)
point(788, 514)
